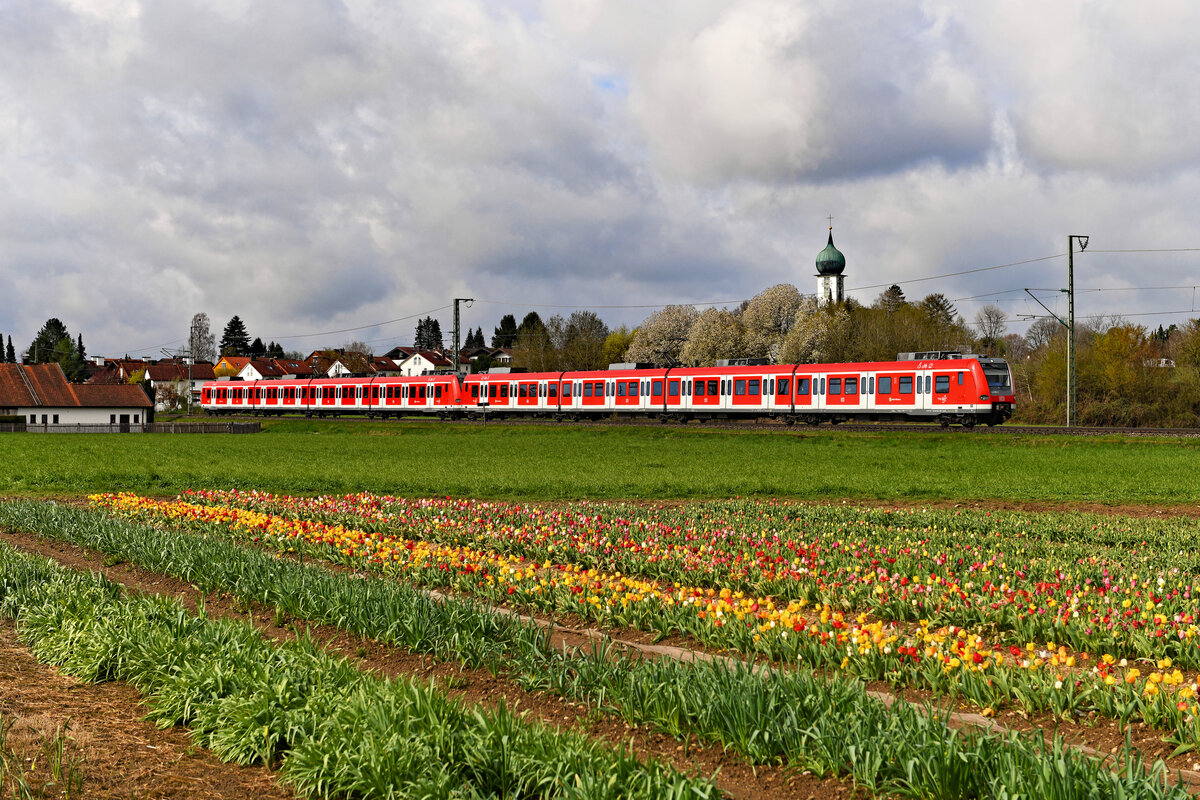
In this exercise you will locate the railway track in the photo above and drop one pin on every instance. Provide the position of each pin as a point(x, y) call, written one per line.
point(776, 425)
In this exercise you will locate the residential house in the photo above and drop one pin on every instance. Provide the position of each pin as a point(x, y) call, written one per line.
point(41, 395)
point(425, 362)
point(386, 367)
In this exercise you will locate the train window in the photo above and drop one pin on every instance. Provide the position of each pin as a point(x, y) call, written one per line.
point(754, 387)
point(687, 388)
point(905, 384)
point(599, 389)
point(422, 395)
point(699, 389)
point(960, 379)
point(522, 391)
point(553, 390)
point(621, 389)
point(474, 391)
point(634, 388)
point(673, 388)
point(772, 389)
point(656, 388)
point(739, 387)
point(712, 387)
point(927, 380)
point(566, 390)
point(587, 390)
point(493, 390)
point(920, 385)
point(942, 384)
point(784, 385)
point(437, 391)
point(822, 390)
point(851, 385)
point(885, 384)
point(835, 385)
point(871, 386)
point(503, 391)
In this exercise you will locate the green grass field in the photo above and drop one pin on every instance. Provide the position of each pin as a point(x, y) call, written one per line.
point(570, 461)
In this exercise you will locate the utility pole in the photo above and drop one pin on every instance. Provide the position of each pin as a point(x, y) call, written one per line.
point(1083, 243)
point(457, 300)
point(186, 352)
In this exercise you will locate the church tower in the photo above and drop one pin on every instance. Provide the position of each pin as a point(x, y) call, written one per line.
point(831, 284)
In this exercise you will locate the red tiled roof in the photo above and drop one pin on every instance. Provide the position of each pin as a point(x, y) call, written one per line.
point(13, 393)
point(107, 375)
point(115, 396)
point(52, 390)
point(166, 372)
point(290, 367)
point(268, 369)
point(50, 385)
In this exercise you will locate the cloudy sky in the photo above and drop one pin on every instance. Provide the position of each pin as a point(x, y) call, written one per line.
point(317, 166)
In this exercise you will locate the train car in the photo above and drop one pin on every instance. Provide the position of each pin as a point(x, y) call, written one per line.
point(947, 388)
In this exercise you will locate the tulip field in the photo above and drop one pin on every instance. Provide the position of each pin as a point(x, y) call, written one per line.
point(844, 642)
point(336, 733)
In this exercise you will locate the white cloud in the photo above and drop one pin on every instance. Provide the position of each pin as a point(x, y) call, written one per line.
point(313, 165)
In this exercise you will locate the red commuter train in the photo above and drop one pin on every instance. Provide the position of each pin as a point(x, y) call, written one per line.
point(948, 388)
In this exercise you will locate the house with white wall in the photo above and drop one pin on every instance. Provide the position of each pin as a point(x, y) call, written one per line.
point(40, 395)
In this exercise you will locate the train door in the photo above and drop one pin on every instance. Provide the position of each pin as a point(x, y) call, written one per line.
point(781, 392)
point(673, 393)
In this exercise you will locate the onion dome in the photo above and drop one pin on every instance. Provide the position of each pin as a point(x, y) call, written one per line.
point(830, 261)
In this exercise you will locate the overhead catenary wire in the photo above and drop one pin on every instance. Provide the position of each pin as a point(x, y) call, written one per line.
point(714, 303)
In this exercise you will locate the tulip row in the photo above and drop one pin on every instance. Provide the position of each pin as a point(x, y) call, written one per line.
point(949, 659)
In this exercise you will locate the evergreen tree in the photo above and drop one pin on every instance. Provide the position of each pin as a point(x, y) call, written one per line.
point(234, 340)
point(892, 299)
point(3, 360)
point(428, 335)
point(275, 350)
point(257, 348)
point(79, 369)
point(42, 350)
point(10, 355)
point(505, 334)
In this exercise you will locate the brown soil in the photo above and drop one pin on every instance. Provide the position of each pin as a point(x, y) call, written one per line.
point(122, 755)
point(734, 776)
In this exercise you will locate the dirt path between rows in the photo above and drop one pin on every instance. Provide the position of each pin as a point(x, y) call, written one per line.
point(733, 775)
point(123, 755)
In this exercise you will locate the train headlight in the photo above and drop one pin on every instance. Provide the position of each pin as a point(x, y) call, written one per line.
point(983, 397)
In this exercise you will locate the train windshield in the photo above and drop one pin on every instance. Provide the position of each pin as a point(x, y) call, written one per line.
point(998, 382)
